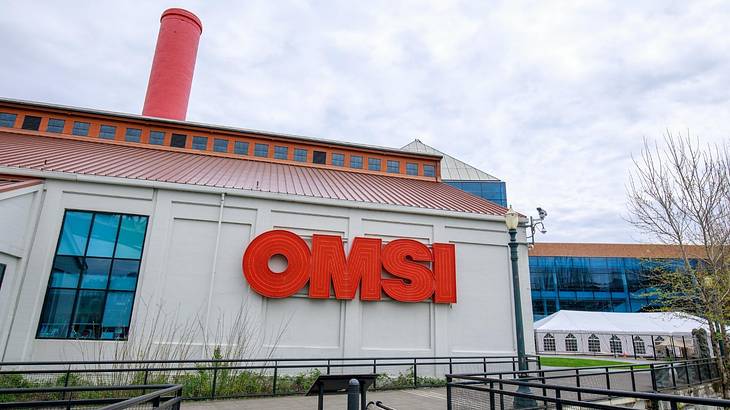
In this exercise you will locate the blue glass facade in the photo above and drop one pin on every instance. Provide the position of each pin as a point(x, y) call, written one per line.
point(591, 284)
point(494, 191)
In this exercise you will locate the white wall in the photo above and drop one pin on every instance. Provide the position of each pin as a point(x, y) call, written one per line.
point(179, 254)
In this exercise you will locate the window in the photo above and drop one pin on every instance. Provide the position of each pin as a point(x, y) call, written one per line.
point(157, 137)
point(108, 132)
point(133, 135)
point(615, 344)
point(300, 155)
point(411, 168)
point(319, 157)
point(55, 125)
point(594, 345)
point(94, 277)
point(281, 152)
point(240, 147)
point(7, 120)
point(393, 167)
point(2, 274)
point(429, 171)
point(639, 345)
point(261, 150)
point(338, 160)
point(178, 140)
point(80, 128)
point(571, 343)
point(200, 143)
point(220, 145)
point(31, 123)
point(548, 343)
point(374, 164)
point(356, 161)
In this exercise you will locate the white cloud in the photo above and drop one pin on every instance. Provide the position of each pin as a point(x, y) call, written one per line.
point(552, 97)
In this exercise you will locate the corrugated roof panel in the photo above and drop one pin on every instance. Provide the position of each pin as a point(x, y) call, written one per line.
point(90, 158)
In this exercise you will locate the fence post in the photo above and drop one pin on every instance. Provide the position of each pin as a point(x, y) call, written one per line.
point(448, 392)
point(633, 378)
point(156, 402)
point(451, 366)
point(484, 364)
point(608, 380)
point(276, 374)
point(674, 377)
point(65, 382)
point(686, 373)
point(633, 345)
point(375, 372)
point(353, 394)
point(653, 377)
point(215, 380)
point(684, 346)
point(653, 346)
point(492, 404)
point(328, 366)
point(415, 373)
point(577, 382)
point(558, 403)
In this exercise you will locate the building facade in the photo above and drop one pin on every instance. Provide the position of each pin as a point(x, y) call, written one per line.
point(116, 229)
point(595, 277)
point(463, 176)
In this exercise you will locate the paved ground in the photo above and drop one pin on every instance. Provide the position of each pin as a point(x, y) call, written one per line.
point(420, 399)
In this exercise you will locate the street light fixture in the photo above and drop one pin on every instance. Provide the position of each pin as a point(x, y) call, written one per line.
point(512, 219)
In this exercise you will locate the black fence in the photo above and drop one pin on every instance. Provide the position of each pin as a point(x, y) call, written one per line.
point(588, 387)
point(212, 379)
point(105, 397)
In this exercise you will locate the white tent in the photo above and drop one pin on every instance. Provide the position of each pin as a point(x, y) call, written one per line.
point(627, 334)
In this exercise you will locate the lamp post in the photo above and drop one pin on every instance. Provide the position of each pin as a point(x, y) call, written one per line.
point(511, 219)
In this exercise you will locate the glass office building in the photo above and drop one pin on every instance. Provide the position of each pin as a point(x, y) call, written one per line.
point(612, 282)
point(494, 191)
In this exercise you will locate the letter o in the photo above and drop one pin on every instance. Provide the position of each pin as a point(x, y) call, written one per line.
point(256, 264)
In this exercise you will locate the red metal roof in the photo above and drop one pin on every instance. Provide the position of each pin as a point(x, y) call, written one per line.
point(60, 154)
point(13, 182)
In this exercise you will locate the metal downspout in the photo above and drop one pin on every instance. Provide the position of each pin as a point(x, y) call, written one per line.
point(213, 269)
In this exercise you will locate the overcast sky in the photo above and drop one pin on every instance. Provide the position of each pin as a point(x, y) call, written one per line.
point(552, 97)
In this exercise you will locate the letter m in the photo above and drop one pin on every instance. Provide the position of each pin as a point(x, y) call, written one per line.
point(329, 265)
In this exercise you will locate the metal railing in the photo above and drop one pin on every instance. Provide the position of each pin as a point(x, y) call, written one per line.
point(105, 397)
point(581, 385)
point(379, 405)
point(212, 379)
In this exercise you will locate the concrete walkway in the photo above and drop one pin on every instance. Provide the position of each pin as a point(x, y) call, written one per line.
point(420, 399)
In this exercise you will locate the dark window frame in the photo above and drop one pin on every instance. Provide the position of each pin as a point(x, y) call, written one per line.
point(54, 123)
point(239, 144)
point(178, 140)
point(258, 150)
point(154, 134)
point(220, 144)
point(298, 152)
point(107, 135)
point(78, 288)
point(338, 159)
point(81, 126)
point(31, 122)
point(319, 157)
point(200, 143)
point(281, 152)
point(411, 168)
point(6, 121)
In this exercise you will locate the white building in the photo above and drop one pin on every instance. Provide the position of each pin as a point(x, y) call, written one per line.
point(116, 228)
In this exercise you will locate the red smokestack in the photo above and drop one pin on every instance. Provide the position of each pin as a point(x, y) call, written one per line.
point(168, 90)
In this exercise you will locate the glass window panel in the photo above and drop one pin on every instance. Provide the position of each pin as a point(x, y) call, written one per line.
point(87, 318)
point(108, 132)
point(117, 313)
point(66, 271)
point(429, 170)
point(356, 161)
point(124, 275)
point(56, 315)
point(300, 155)
point(374, 164)
point(411, 168)
point(240, 148)
point(200, 143)
point(103, 235)
point(393, 167)
point(338, 160)
point(96, 273)
point(261, 150)
point(157, 137)
point(31, 122)
point(133, 135)
point(178, 140)
point(75, 233)
point(7, 120)
point(319, 157)
point(220, 145)
point(131, 237)
point(80, 128)
point(281, 152)
point(55, 125)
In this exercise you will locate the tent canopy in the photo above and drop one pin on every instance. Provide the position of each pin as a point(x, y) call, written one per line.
point(652, 323)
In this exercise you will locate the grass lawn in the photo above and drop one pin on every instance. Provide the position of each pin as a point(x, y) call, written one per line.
point(576, 362)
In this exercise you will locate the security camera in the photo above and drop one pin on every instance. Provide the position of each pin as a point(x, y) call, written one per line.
point(543, 231)
point(541, 212)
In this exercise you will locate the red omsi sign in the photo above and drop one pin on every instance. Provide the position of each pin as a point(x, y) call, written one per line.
point(326, 264)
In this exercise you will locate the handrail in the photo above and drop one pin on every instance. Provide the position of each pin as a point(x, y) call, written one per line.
point(381, 405)
point(177, 389)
